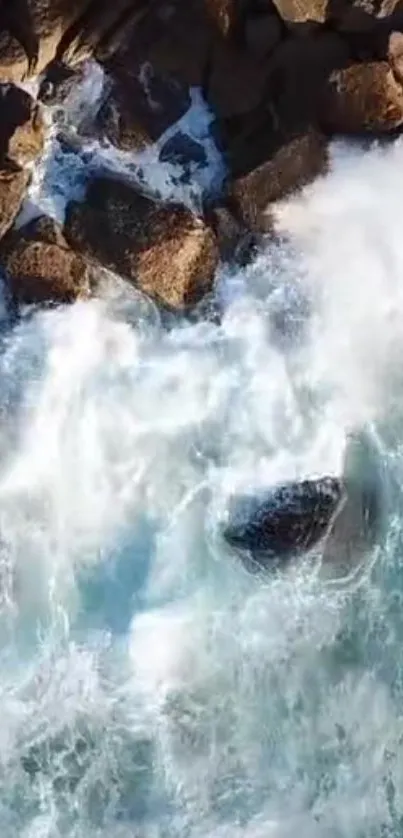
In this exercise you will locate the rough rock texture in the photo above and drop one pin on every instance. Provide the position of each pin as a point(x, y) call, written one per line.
point(21, 125)
point(140, 105)
point(13, 184)
point(363, 98)
point(175, 38)
point(285, 522)
point(40, 267)
point(32, 31)
point(291, 165)
point(395, 55)
point(104, 27)
point(302, 11)
point(168, 252)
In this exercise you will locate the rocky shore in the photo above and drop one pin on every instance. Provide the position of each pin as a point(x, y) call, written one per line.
point(282, 79)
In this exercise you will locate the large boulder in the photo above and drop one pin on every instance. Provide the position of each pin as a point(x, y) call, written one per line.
point(140, 105)
point(342, 516)
point(291, 164)
point(163, 249)
point(40, 266)
point(284, 522)
point(363, 98)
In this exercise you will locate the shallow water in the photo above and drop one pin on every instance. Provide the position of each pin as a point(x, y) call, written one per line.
point(150, 687)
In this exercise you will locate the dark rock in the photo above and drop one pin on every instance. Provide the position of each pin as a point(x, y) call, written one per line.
point(140, 106)
point(181, 149)
point(164, 249)
point(21, 125)
point(285, 522)
point(237, 80)
point(262, 34)
point(40, 267)
point(234, 244)
point(343, 516)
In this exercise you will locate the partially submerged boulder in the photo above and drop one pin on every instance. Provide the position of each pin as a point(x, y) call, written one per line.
point(140, 105)
point(342, 516)
point(164, 249)
point(40, 267)
point(290, 165)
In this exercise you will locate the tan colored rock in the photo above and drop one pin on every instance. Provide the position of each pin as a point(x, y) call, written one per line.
point(40, 267)
point(363, 98)
point(22, 130)
point(395, 55)
point(293, 164)
point(13, 185)
point(163, 249)
point(302, 11)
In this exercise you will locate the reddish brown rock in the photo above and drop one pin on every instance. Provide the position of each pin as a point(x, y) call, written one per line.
point(40, 267)
point(293, 164)
point(164, 249)
point(363, 98)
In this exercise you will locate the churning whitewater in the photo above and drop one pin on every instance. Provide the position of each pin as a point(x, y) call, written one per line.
point(150, 686)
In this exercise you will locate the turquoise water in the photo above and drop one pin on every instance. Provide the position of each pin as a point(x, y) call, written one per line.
point(150, 687)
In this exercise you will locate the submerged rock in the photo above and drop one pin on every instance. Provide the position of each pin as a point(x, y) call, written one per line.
point(164, 249)
point(343, 515)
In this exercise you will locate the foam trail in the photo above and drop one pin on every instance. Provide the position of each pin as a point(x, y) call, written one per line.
point(149, 685)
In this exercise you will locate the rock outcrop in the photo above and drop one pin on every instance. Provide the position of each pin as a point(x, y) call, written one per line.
point(163, 249)
point(40, 267)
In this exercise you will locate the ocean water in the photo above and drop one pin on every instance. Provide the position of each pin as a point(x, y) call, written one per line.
point(149, 686)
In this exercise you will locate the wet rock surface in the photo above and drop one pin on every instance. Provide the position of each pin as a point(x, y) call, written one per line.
point(40, 267)
point(165, 250)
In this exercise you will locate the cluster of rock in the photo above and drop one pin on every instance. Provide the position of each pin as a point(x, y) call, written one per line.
point(282, 77)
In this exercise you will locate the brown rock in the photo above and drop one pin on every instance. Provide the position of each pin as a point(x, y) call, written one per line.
point(21, 125)
point(164, 249)
point(13, 185)
point(175, 38)
point(41, 268)
point(363, 98)
point(302, 11)
point(291, 165)
point(105, 27)
point(32, 31)
point(395, 55)
point(140, 106)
